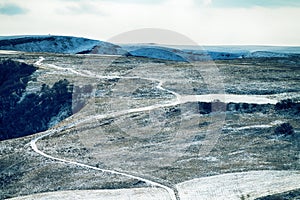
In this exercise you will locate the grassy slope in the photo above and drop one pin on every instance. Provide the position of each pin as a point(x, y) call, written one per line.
point(168, 154)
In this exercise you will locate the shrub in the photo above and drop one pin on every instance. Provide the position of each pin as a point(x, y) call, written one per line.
point(285, 129)
point(204, 108)
point(288, 106)
point(285, 104)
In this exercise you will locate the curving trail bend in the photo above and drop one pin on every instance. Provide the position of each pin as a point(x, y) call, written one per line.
point(149, 182)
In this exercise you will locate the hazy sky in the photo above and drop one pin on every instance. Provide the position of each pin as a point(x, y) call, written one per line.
point(207, 22)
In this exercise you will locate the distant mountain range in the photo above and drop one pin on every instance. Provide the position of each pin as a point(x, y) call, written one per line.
point(77, 45)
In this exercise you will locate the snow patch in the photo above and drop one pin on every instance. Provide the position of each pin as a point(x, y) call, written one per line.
point(236, 186)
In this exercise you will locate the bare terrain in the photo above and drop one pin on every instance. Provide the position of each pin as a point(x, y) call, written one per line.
point(152, 129)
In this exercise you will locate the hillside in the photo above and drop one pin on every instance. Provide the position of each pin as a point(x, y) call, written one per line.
point(59, 44)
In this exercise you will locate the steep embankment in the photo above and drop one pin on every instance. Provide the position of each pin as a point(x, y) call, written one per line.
point(24, 114)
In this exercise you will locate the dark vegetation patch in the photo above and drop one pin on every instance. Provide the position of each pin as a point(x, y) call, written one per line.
point(284, 107)
point(21, 116)
point(209, 107)
point(285, 129)
point(288, 106)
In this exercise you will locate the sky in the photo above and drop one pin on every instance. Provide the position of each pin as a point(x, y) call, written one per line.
point(206, 22)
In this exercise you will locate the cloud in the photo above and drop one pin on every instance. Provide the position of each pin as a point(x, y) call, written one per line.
point(81, 8)
point(137, 1)
point(11, 9)
point(210, 25)
point(97, 7)
point(255, 3)
point(123, 1)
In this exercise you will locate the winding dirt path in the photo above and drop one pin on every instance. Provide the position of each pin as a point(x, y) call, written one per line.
point(227, 186)
point(33, 145)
